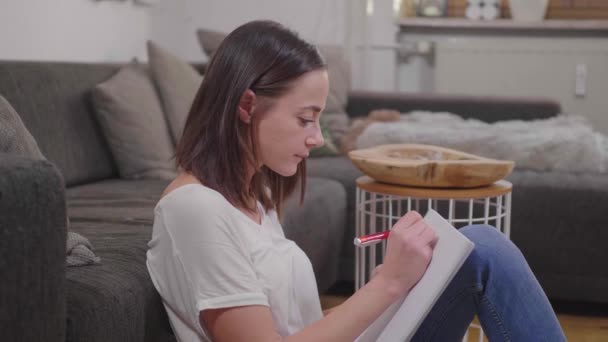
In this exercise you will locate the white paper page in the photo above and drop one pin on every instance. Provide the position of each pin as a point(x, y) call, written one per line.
point(401, 320)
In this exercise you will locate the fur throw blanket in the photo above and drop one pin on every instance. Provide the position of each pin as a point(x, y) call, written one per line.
point(563, 143)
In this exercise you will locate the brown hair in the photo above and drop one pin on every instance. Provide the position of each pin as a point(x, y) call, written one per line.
point(216, 147)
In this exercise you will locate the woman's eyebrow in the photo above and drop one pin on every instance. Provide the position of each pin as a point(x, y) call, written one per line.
point(312, 107)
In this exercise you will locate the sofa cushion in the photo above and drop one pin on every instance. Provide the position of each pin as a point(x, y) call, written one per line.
point(14, 136)
point(130, 114)
point(559, 222)
point(115, 301)
point(51, 99)
point(177, 83)
point(115, 201)
point(342, 170)
point(318, 226)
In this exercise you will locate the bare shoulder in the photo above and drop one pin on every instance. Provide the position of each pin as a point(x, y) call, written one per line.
point(182, 179)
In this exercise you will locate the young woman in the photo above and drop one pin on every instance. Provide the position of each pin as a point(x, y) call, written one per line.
point(218, 255)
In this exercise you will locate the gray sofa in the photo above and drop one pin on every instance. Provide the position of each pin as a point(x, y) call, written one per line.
point(558, 219)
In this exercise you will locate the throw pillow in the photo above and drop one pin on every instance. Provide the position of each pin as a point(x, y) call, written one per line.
point(329, 148)
point(132, 120)
point(14, 136)
point(338, 70)
point(209, 40)
point(337, 125)
point(348, 141)
point(177, 83)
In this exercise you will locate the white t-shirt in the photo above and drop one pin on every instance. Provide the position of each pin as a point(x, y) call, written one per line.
point(207, 254)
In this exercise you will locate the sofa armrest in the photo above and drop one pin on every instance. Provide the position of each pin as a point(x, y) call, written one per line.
point(559, 222)
point(485, 108)
point(32, 250)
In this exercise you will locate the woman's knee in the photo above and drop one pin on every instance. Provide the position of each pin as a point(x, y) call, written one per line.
point(483, 233)
point(491, 244)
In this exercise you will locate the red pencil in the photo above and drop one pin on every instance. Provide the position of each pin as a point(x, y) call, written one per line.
point(371, 239)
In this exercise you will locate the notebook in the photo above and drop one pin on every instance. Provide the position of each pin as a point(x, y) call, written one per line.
point(401, 320)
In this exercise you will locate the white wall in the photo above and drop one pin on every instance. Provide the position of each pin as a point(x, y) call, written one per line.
point(320, 21)
point(89, 30)
point(73, 30)
point(375, 63)
point(169, 28)
point(341, 22)
point(116, 31)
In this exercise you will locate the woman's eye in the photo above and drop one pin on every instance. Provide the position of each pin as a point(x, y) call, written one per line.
point(306, 122)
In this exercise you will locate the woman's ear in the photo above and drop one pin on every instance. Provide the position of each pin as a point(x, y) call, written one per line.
point(247, 105)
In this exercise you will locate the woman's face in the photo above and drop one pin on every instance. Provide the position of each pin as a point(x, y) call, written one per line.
point(290, 128)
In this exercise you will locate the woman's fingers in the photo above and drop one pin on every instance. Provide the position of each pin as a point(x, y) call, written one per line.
point(407, 220)
point(413, 227)
point(414, 222)
point(411, 242)
point(417, 228)
point(428, 236)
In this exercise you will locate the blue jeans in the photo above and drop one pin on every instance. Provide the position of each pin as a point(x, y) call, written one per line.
point(496, 283)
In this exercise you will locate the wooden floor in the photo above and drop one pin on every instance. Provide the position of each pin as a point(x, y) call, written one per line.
point(581, 323)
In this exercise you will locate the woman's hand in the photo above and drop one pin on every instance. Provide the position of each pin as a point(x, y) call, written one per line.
point(409, 252)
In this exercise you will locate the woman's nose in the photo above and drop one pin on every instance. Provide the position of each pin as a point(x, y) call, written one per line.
point(315, 140)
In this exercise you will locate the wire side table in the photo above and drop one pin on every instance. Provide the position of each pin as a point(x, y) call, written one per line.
point(380, 205)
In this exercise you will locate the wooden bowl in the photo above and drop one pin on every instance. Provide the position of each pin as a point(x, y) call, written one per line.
point(429, 166)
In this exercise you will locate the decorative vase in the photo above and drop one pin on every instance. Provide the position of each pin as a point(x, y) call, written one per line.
point(528, 10)
point(432, 8)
